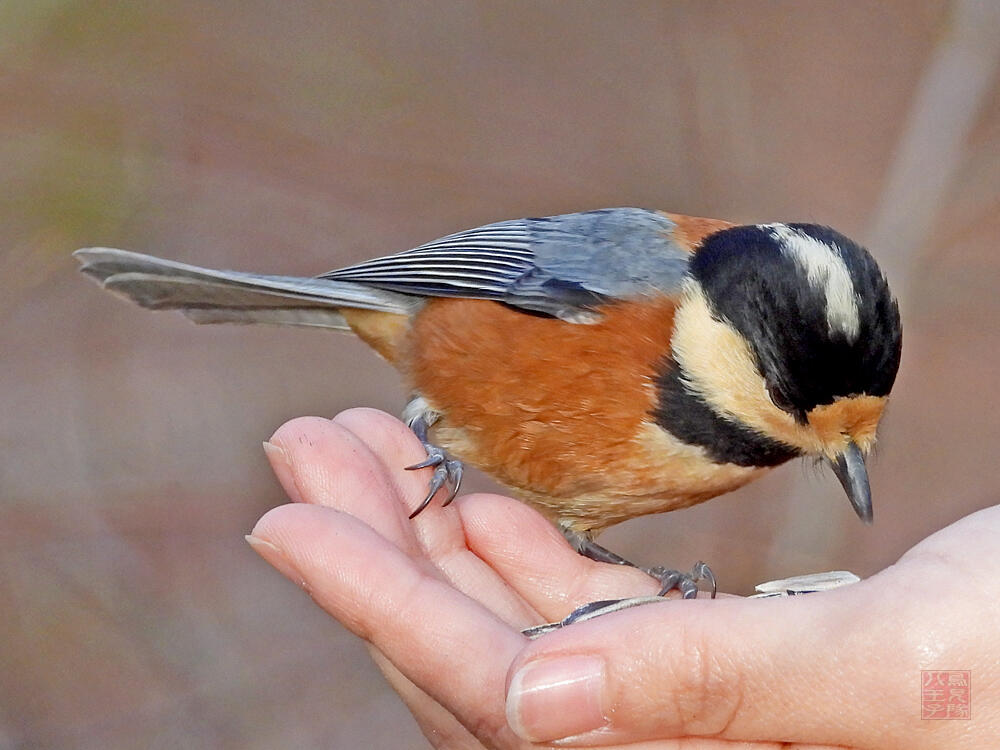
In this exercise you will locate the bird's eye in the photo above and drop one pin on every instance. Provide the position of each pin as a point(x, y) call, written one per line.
point(779, 399)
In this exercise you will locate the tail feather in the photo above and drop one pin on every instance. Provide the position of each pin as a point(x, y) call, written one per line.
point(299, 316)
point(209, 296)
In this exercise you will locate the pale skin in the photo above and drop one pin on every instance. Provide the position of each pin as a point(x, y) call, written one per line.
point(441, 601)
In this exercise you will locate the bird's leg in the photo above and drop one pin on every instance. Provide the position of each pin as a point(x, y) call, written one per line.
point(586, 546)
point(419, 417)
point(686, 583)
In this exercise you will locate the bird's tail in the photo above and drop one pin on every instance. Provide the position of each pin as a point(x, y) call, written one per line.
point(209, 296)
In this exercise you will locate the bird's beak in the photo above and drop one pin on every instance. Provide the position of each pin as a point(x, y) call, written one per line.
point(849, 467)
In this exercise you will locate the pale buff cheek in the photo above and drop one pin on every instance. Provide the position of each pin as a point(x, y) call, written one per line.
point(722, 370)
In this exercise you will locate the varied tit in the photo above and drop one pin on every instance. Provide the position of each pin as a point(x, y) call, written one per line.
point(602, 365)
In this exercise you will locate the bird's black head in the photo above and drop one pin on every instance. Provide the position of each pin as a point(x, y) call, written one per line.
point(812, 304)
point(786, 342)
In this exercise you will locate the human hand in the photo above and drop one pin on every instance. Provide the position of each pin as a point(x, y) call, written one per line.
point(442, 600)
point(412, 589)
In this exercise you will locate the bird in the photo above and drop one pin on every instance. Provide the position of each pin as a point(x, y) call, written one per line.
point(601, 365)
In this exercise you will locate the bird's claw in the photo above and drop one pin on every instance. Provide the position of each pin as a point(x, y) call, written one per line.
point(447, 473)
point(419, 416)
point(686, 583)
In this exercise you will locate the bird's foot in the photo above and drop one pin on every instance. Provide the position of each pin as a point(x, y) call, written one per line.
point(447, 470)
point(686, 583)
point(447, 473)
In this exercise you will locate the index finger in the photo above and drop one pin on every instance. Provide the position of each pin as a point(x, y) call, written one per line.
point(443, 641)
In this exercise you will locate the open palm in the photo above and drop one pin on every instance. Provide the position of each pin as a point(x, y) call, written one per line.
point(442, 600)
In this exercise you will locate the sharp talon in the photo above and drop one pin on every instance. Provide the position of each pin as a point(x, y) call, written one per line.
point(424, 504)
point(686, 583)
point(702, 572)
point(438, 480)
point(455, 471)
point(447, 471)
point(431, 460)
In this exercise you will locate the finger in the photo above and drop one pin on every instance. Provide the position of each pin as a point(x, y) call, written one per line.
point(355, 461)
point(777, 669)
point(534, 559)
point(396, 447)
point(438, 725)
point(454, 649)
point(326, 462)
point(438, 529)
point(444, 731)
point(393, 445)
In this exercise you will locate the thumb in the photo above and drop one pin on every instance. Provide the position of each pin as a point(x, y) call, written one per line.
point(736, 669)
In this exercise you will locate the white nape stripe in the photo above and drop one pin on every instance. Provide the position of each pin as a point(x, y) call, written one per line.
point(827, 273)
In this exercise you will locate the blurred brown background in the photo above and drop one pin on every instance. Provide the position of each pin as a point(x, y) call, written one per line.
point(294, 137)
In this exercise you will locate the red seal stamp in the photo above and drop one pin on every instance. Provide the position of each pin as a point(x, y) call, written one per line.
point(946, 694)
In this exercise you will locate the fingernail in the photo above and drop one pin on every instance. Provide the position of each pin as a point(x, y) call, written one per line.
point(552, 699)
point(282, 468)
point(276, 558)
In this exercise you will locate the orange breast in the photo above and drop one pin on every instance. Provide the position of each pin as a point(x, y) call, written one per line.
point(557, 411)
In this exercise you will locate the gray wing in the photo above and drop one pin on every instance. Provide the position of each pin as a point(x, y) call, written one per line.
point(561, 265)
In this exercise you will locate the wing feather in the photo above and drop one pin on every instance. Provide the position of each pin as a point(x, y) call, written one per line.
point(561, 265)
